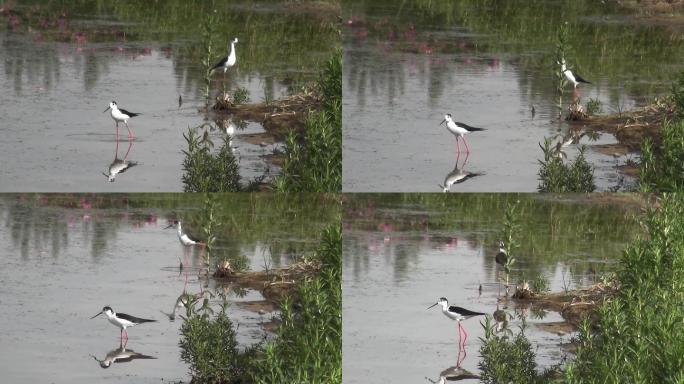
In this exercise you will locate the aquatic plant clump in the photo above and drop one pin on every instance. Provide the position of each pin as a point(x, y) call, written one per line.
point(308, 348)
point(209, 346)
point(557, 176)
point(204, 171)
point(313, 160)
point(662, 168)
point(639, 336)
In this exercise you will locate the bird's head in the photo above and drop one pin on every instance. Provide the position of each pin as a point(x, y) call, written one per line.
point(442, 301)
point(112, 105)
point(173, 224)
point(235, 40)
point(447, 118)
point(106, 310)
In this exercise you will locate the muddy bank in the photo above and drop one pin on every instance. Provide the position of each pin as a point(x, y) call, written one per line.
point(274, 284)
point(631, 128)
point(573, 306)
point(277, 117)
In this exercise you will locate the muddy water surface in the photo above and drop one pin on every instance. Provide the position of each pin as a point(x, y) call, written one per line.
point(402, 253)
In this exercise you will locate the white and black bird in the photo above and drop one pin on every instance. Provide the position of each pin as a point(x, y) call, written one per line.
point(120, 115)
point(459, 130)
point(573, 77)
point(184, 238)
point(121, 320)
point(456, 313)
point(501, 258)
point(228, 61)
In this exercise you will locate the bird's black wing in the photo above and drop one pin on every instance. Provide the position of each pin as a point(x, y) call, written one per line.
point(469, 175)
point(463, 311)
point(132, 319)
point(220, 64)
point(579, 79)
point(468, 127)
point(125, 112)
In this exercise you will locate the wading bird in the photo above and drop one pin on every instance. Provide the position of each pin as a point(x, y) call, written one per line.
point(459, 130)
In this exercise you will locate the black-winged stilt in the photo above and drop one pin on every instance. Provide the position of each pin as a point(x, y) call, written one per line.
point(120, 115)
point(456, 313)
point(184, 238)
point(459, 130)
point(121, 320)
point(573, 77)
point(228, 61)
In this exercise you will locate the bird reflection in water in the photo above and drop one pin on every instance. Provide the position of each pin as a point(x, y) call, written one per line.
point(455, 373)
point(458, 175)
point(118, 165)
point(120, 355)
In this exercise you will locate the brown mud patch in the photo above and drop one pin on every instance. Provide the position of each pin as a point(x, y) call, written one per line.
point(573, 306)
point(631, 128)
point(669, 13)
point(277, 117)
point(275, 284)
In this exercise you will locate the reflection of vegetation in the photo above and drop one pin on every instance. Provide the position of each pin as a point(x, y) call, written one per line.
point(553, 229)
point(280, 227)
point(282, 44)
point(313, 161)
point(639, 336)
point(309, 344)
point(558, 177)
point(205, 171)
point(618, 51)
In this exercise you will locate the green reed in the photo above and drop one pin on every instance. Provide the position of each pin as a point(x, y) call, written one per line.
point(313, 159)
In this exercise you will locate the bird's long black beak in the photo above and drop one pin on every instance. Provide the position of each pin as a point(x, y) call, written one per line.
point(169, 226)
point(96, 315)
point(106, 110)
point(432, 305)
point(442, 122)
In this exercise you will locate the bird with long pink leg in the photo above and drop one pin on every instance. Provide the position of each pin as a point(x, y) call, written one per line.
point(121, 320)
point(459, 130)
point(459, 314)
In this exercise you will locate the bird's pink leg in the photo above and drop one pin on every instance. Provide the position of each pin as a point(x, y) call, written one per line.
point(130, 135)
point(466, 144)
point(117, 131)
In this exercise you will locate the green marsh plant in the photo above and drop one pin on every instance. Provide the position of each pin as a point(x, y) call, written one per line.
point(510, 235)
point(638, 337)
point(205, 170)
point(209, 346)
point(308, 348)
point(313, 160)
point(507, 358)
point(209, 28)
point(559, 177)
point(562, 51)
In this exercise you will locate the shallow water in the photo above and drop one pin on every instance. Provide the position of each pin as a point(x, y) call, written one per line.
point(60, 74)
point(66, 257)
point(402, 253)
point(487, 64)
